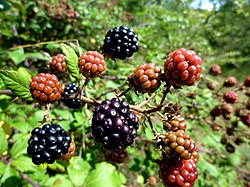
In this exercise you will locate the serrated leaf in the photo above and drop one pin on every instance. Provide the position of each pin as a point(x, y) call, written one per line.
point(20, 146)
point(17, 56)
point(71, 60)
point(78, 170)
point(103, 175)
point(4, 142)
point(24, 163)
point(17, 82)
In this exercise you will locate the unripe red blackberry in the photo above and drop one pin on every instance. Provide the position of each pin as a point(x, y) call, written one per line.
point(120, 42)
point(178, 173)
point(45, 88)
point(178, 144)
point(216, 111)
point(48, 143)
point(58, 63)
point(231, 97)
point(91, 64)
point(230, 81)
point(70, 90)
point(215, 70)
point(247, 82)
point(212, 86)
point(174, 124)
point(71, 151)
point(115, 156)
point(227, 110)
point(182, 67)
point(146, 78)
point(246, 119)
point(114, 125)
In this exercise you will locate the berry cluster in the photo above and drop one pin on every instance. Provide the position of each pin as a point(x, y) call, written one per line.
point(178, 172)
point(45, 88)
point(58, 63)
point(70, 90)
point(48, 143)
point(91, 64)
point(114, 125)
point(120, 42)
point(182, 67)
point(146, 78)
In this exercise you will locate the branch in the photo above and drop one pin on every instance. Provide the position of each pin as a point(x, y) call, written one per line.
point(7, 92)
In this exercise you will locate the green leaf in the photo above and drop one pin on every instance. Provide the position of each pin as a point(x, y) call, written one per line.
point(4, 142)
point(4, 5)
point(71, 60)
point(17, 56)
point(17, 82)
point(103, 175)
point(24, 163)
point(58, 181)
point(20, 146)
point(78, 170)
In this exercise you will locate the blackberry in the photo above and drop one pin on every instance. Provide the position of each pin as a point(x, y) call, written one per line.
point(91, 64)
point(182, 67)
point(48, 143)
point(115, 156)
point(58, 63)
point(120, 42)
point(146, 78)
point(45, 88)
point(177, 144)
point(246, 119)
point(175, 124)
point(212, 86)
point(247, 82)
point(215, 70)
point(114, 125)
point(231, 97)
point(178, 173)
point(216, 111)
point(70, 90)
point(230, 81)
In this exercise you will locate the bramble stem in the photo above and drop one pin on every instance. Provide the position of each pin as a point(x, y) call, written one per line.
point(166, 91)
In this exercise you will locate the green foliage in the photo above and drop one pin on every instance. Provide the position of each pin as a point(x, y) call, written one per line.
point(33, 31)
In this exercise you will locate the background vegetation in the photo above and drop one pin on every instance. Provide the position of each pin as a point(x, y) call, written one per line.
point(220, 36)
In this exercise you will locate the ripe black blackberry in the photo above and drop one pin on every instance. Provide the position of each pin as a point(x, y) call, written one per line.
point(120, 42)
point(48, 143)
point(70, 90)
point(114, 125)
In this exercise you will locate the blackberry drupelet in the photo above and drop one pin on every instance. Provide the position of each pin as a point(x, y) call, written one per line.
point(114, 125)
point(48, 143)
point(120, 42)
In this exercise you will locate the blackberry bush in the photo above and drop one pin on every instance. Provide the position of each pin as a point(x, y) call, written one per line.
point(45, 88)
point(120, 42)
point(48, 143)
point(114, 125)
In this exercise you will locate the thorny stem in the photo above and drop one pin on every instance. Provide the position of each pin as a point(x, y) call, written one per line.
point(124, 92)
point(152, 127)
point(166, 91)
point(27, 178)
